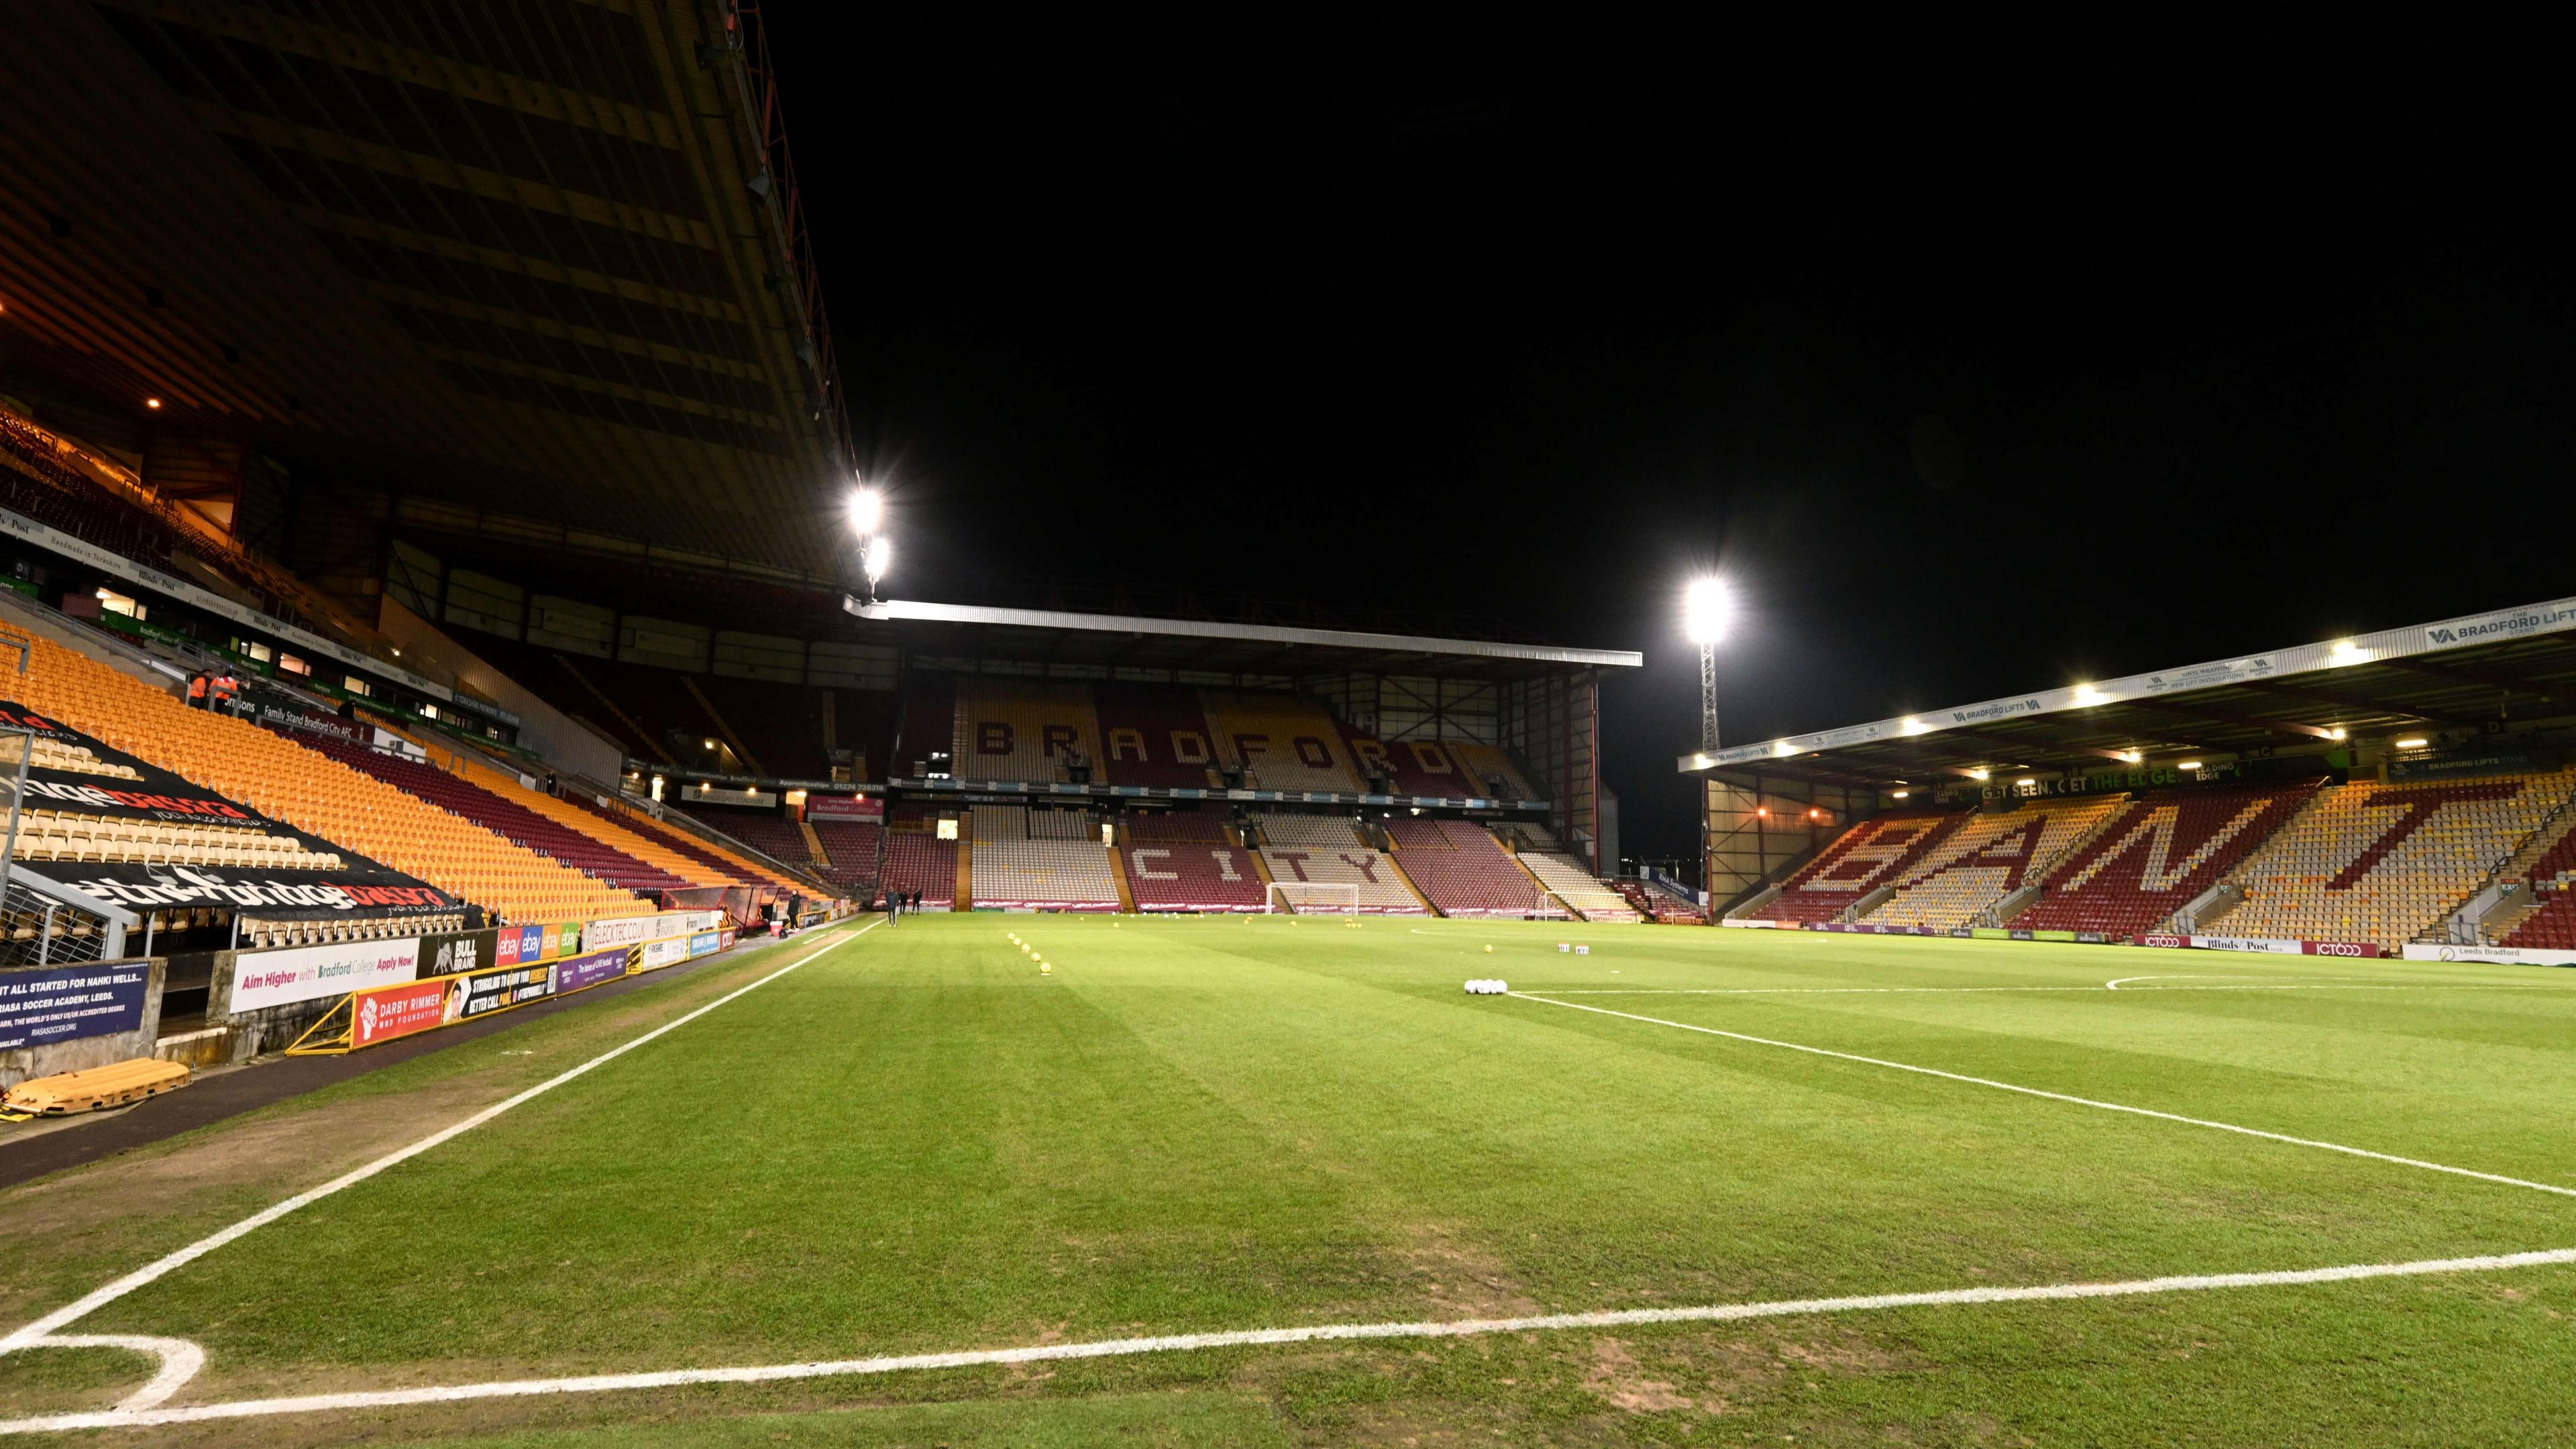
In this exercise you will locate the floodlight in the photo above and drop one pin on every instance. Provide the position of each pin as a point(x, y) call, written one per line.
point(877, 558)
point(1706, 608)
point(1899, 794)
point(2412, 744)
point(1980, 774)
point(867, 511)
point(2188, 765)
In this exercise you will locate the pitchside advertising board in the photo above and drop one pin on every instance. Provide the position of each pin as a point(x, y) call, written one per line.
point(263, 979)
point(39, 1008)
point(2492, 955)
point(388, 1012)
point(2264, 945)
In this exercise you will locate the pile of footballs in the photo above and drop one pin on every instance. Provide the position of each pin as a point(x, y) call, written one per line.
point(1487, 987)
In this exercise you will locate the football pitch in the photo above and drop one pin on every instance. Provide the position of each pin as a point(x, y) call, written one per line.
point(1277, 1181)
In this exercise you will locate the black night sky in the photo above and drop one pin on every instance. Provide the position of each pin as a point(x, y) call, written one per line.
point(1982, 356)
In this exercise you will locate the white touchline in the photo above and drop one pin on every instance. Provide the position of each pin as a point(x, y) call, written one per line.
point(2330, 983)
point(2060, 1096)
point(1254, 1337)
point(180, 1359)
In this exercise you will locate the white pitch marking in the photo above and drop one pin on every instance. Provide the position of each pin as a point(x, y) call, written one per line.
point(2330, 983)
point(176, 1353)
point(2062, 1097)
point(1330, 1332)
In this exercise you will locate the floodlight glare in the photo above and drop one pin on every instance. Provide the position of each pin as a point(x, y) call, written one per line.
point(867, 511)
point(1705, 610)
point(2412, 744)
point(878, 557)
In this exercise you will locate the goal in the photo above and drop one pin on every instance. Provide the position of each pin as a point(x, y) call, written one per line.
point(1312, 897)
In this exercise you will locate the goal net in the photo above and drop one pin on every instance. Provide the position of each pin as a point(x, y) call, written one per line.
point(1313, 897)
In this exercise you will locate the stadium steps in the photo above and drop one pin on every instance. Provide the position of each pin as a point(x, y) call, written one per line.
point(1540, 886)
point(814, 844)
point(2507, 917)
point(1118, 875)
point(964, 900)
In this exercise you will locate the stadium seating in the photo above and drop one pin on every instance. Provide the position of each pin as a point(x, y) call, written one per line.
point(852, 846)
point(1991, 855)
point(2162, 850)
point(1281, 741)
point(1570, 881)
point(2552, 882)
point(766, 831)
point(1171, 869)
point(726, 864)
point(1017, 729)
point(1022, 822)
point(1154, 735)
point(1489, 764)
point(1055, 875)
point(1412, 767)
point(1324, 848)
point(505, 818)
point(1871, 854)
point(928, 728)
point(313, 793)
point(2384, 862)
point(1460, 870)
point(918, 861)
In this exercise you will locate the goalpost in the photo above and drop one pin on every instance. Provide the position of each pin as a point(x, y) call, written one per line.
point(1312, 897)
point(1548, 908)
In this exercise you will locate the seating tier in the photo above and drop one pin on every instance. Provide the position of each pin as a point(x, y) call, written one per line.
point(1987, 858)
point(2165, 848)
point(1873, 853)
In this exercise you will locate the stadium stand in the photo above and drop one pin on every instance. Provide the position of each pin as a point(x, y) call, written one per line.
point(853, 847)
point(1052, 875)
point(726, 864)
point(1460, 869)
point(771, 834)
point(2159, 852)
point(2372, 862)
point(2551, 875)
point(1412, 767)
point(507, 819)
point(1568, 880)
point(928, 729)
point(1658, 904)
point(916, 860)
point(1986, 859)
point(1281, 741)
point(1869, 855)
point(1154, 735)
point(1494, 769)
point(1014, 729)
point(1324, 848)
point(1185, 862)
point(313, 792)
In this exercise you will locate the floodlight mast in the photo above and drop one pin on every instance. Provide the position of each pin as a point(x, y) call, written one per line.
point(1706, 608)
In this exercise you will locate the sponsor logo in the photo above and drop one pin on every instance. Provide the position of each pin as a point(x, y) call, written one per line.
point(2503, 626)
point(2340, 948)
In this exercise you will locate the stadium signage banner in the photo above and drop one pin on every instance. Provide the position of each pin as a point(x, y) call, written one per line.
point(515, 945)
point(844, 807)
point(2263, 945)
point(654, 955)
point(461, 952)
point(1753, 925)
point(591, 969)
point(39, 1008)
point(2492, 955)
point(388, 1012)
point(635, 930)
point(1185, 792)
point(262, 979)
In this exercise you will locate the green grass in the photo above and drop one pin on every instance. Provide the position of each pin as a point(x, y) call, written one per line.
point(918, 1143)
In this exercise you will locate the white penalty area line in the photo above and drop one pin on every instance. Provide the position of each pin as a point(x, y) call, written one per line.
point(1320, 1333)
point(1817, 1051)
point(179, 1354)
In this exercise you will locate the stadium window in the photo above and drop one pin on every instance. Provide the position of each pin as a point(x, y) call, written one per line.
point(355, 685)
point(289, 664)
point(113, 602)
